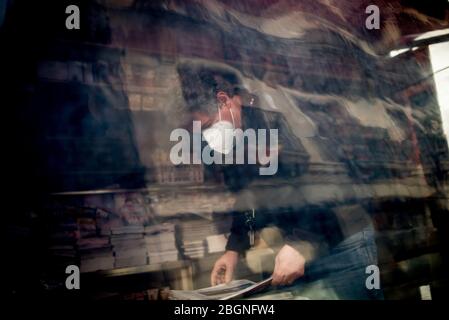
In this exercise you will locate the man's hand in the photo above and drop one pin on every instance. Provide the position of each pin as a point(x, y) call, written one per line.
point(224, 267)
point(289, 266)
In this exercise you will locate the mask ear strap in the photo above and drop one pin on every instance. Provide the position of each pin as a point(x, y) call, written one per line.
point(219, 113)
point(232, 116)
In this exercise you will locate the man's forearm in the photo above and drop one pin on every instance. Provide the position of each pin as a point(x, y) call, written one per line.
point(238, 242)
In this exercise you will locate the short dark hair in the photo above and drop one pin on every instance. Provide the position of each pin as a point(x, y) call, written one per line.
point(200, 85)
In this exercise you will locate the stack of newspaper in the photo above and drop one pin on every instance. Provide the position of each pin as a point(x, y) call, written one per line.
point(236, 289)
point(193, 233)
point(62, 244)
point(95, 254)
point(194, 249)
point(129, 246)
point(160, 243)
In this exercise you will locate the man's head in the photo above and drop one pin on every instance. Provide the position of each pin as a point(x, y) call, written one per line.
point(214, 97)
point(211, 93)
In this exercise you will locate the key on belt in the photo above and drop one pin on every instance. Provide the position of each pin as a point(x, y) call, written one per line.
point(250, 221)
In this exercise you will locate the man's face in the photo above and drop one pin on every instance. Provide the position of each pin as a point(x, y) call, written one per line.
point(206, 119)
point(225, 105)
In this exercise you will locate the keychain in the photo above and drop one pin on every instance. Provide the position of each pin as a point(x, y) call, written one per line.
point(250, 219)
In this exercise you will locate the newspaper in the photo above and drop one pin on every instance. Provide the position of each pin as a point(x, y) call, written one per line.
point(233, 290)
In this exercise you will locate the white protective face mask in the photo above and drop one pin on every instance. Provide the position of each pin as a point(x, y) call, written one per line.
point(220, 136)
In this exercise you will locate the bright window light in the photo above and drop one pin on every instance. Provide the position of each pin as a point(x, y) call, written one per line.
point(439, 56)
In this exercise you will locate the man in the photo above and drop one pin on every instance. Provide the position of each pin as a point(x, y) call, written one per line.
point(216, 98)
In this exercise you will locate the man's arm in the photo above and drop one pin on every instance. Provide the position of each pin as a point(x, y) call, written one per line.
point(238, 243)
point(238, 239)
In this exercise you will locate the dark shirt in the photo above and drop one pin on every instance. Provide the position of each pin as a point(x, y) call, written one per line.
point(312, 220)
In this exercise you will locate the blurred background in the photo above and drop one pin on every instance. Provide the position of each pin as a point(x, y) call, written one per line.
point(90, 111)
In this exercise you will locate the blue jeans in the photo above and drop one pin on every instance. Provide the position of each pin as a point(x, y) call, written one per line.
point(341, 274)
